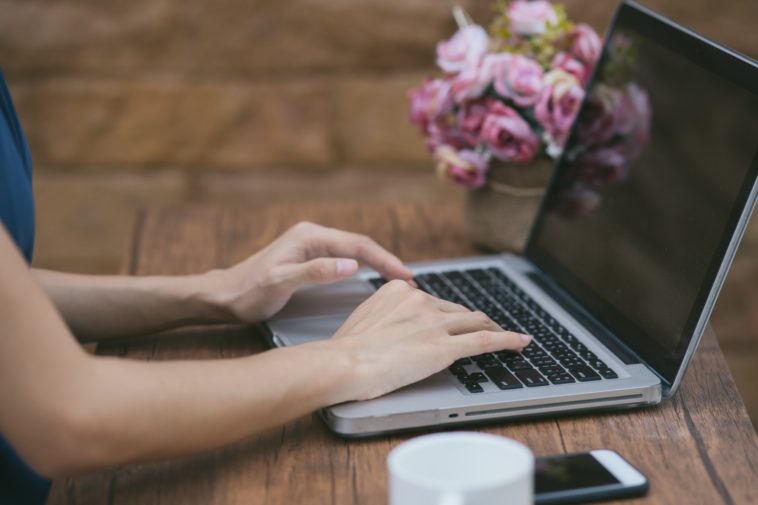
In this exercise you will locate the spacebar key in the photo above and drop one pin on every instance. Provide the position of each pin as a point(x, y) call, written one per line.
point(502, 378)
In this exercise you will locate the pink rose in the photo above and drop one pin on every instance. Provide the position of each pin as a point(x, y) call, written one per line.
point(578, 201)
point(597, 124)
point(632, 114)
point(531, 18)
point(620, 114)
point(557, 108)
point(471, 117)
point(605, 165)
point(508, 135)
point(585, 44)
point(571, 65)
point(430, 101)
point(443, 132)
point(466, 167)
point(464, 49)
point(473, 81)
point(518, 78)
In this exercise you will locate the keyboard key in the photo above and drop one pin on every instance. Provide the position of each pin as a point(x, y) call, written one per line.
point(531, 350)
point(532, 378)
point(579, 347)
point(479, 357)
point(504, 355)
point(478, 274)
point(554, 347)
point(607, 373)
point(552, 370)
point(570, 339)
point(588, 355)
point(519, 365)
point(487, 360)
point(477, 377)
point(583, 373)
point(561, 379)
point(474, 387)
point(597, 364)
point(457, 369)
point(502, 378)
point(549, 343)
point(541, 362)
point(570, 360)
point(378, 282)
point(553, 350)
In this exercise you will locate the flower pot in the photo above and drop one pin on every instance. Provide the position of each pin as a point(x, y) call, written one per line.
point(499, 215)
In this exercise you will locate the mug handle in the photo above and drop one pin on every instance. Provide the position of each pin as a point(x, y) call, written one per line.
point(452, 499)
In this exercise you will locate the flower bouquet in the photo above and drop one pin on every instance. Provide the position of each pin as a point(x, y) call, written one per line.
point(502, 109)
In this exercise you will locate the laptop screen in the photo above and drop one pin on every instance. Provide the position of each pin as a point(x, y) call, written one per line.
point(651, 185)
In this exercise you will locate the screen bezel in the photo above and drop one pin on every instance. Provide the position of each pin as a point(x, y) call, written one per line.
point(731, 66)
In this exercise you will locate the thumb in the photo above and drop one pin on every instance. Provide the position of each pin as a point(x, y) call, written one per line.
point(324, 270)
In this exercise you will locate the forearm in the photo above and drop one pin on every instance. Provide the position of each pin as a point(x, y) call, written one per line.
point(105, 307)
point(66, 411)
point(126, 411)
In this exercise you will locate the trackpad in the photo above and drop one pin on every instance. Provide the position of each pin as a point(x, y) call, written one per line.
point(326, 300)
point(305, 329)
point(316, 312)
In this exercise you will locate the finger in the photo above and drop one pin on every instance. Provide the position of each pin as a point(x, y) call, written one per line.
point(378, 305)
point(482, 341)
point(319, 271)
point(388, 296)
point(351, 245)
point(459, 323)
point(423, 300)
point(448, 307)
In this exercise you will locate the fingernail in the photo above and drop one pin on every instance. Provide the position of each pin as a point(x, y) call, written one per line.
point(525, 339)
point(412, 283)
point(346, 267)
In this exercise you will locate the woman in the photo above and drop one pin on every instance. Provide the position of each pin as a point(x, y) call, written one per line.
point(65, 411)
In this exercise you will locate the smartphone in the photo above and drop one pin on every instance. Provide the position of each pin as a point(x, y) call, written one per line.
point(588, 476)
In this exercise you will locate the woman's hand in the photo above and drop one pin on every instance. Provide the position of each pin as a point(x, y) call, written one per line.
point(402, 335)
point(260, 286)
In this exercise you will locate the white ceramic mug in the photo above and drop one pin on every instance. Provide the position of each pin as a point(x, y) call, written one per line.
point(461, 468)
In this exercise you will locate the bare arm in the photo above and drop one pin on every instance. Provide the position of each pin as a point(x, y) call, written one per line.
point(98, 308)
point(66, 411)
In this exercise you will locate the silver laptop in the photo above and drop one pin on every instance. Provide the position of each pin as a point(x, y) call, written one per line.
point(625, 258)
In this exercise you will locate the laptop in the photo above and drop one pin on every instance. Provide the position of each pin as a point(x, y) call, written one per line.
point(625, 259)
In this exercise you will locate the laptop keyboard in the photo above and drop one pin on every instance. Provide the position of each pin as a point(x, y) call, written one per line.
point(554, 356)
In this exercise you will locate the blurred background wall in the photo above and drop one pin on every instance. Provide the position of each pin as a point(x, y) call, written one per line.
point(160, 102)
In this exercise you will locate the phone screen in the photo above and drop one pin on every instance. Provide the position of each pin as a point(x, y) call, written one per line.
point(572, 471)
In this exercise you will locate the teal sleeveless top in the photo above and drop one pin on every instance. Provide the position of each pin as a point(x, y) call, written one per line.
point(19, 484)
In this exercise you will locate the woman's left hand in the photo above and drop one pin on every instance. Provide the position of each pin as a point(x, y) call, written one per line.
point(260, 286)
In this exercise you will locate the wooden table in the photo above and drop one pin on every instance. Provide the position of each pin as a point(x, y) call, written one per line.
point(699, 447)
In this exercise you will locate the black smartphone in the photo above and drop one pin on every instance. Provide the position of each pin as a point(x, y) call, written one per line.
point(588, 476)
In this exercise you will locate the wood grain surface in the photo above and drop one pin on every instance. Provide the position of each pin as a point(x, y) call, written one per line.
point(699, 448)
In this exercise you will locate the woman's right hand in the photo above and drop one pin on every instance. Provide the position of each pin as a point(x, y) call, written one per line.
point(402, 335)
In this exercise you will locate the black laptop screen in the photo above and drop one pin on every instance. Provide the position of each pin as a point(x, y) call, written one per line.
point(651, 185)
